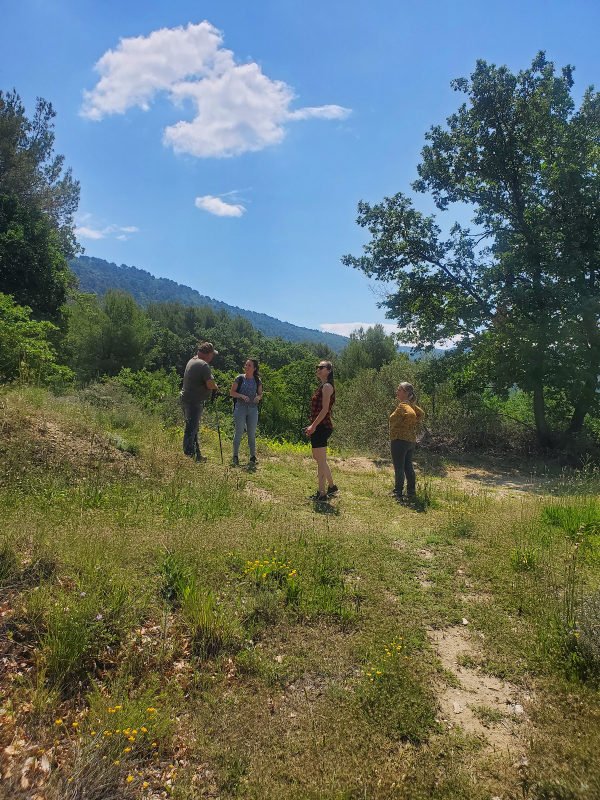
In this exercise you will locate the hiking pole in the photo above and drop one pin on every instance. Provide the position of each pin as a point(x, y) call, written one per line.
point(214, 399)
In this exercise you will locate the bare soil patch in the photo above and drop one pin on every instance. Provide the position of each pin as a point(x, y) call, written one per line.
point(459, 705)
point(51, 445)
point(355, 464)
point(260, 494)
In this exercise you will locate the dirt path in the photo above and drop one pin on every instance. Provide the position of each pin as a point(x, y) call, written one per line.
point(484, 706)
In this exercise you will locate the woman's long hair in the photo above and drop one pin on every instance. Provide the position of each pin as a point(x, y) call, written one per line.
point(410, 391)
point(256, 372)
point(329, 366)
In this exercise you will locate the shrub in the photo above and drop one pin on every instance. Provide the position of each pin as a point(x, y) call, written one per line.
point(26, 352)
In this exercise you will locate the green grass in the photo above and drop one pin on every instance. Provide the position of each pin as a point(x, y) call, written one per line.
point(265, 631)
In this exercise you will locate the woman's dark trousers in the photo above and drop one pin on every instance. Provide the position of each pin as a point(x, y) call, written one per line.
point(402, 456)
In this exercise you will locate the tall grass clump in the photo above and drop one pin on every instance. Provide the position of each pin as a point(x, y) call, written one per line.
point(214, 626)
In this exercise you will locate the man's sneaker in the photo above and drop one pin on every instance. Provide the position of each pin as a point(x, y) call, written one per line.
point(235, 461)
point(253, 460)
point(332, 489)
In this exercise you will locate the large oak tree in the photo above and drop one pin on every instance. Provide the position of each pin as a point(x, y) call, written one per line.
point(520, 290)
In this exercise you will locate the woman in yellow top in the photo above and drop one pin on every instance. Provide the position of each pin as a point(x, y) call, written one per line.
point(403, 427)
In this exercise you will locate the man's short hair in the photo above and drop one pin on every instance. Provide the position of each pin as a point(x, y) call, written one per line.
point(207, 348)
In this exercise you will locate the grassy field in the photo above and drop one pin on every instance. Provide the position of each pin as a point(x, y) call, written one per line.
point(172, 629)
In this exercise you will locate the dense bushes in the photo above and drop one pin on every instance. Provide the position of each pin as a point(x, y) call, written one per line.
point(25, 348)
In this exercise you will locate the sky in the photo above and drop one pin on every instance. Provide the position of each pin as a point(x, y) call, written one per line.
point(225, 145)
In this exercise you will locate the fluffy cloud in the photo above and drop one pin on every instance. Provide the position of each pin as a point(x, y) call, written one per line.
point(216, 206)
point(346, 328)
point(237, 107)
point(85, 232)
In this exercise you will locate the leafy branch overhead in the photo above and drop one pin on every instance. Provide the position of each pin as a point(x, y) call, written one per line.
point(518, 291)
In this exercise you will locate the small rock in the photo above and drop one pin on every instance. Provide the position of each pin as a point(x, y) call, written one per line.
point(465, 621)
point(457, 707)
point(518, 709)
point(522, 762)
point(279, 659)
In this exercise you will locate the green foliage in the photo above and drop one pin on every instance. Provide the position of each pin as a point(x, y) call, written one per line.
point(32, 265)
point(26, 352)
point(31, 172)
point(104, 340)
point(149, 388)
point(369, 349)
point(362, 409)
point(525, 307)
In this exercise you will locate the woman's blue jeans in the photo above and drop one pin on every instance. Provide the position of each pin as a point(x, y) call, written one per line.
point(245, 415)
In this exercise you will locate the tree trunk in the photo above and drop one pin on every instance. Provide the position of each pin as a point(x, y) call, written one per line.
point(576, 423)
point(539, 412)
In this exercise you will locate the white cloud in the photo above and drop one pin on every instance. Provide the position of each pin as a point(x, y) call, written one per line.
point(214, 205)
point(89, 233)
point(238, 109)
point(346, 328)
point(85, 232)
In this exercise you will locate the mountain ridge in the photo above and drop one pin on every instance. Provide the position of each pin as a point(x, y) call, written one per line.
point(96, 275)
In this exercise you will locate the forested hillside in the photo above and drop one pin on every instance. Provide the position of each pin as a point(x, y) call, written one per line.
point(97, 275)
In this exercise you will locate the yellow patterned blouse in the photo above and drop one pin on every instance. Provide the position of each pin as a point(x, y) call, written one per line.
point(404, 421)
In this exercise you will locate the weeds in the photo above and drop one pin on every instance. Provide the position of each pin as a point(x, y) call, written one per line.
point(392, 696)
point(524, 560)
point(486, 715)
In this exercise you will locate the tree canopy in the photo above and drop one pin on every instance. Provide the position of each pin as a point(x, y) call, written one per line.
point(37, 202)
point(519, 291)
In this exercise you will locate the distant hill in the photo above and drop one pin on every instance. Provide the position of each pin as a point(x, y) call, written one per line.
point(96, 275)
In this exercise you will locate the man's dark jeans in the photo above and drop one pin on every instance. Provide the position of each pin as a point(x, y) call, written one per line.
point(192, 413)
point(402, 456)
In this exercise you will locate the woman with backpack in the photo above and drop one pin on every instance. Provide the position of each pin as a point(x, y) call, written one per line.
point(246, 391)
point(320, 429)
point(403, 426)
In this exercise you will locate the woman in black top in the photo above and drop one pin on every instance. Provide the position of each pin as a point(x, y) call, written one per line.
point(320, 429)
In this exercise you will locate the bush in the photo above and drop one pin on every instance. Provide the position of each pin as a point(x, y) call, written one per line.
point(25, 350)
point(363, 406)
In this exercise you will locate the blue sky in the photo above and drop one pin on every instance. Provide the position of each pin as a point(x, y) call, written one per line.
point(230, 155)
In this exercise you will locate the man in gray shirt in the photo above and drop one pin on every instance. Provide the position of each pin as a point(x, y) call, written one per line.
point(198, 383)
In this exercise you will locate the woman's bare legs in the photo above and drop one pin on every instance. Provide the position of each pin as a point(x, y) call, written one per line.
point(325, 477)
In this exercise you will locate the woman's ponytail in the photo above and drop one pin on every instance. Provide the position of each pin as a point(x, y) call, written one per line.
point(410, 391)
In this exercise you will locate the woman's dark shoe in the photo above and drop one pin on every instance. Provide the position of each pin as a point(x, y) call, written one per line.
point(253, 460)
point(318, 497)
point(235, 461)
point(332, 489)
